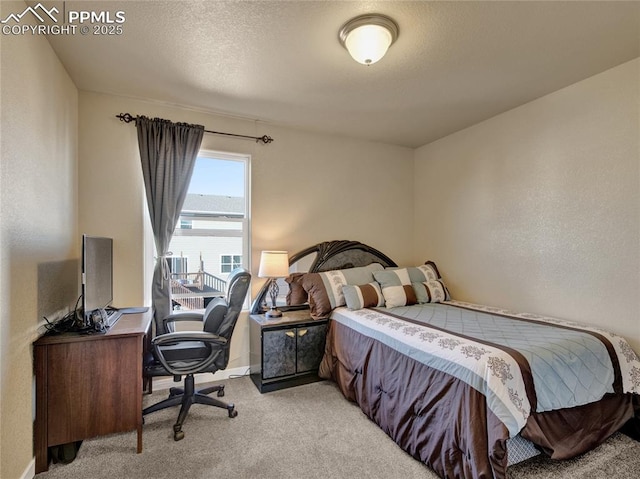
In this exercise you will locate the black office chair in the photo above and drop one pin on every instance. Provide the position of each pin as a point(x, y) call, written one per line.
point(189, 352)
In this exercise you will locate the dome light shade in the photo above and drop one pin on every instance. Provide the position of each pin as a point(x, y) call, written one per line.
point(368, 44)
point(368, 37)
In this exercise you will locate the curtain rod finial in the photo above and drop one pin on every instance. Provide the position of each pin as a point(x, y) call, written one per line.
point(126, 117)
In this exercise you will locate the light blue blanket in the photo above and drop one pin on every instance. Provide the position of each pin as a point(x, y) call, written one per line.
point(569, 367)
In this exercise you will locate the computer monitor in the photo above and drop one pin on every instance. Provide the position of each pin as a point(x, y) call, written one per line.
point(97, 274)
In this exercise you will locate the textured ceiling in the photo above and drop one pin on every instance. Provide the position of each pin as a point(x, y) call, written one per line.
point(453, 65)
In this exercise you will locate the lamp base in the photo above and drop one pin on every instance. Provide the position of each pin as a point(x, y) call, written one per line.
point(273, 313)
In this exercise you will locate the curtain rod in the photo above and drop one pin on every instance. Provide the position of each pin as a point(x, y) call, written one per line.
point(128, 118)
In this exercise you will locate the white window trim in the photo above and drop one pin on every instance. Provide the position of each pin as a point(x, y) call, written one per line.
point(246, 221)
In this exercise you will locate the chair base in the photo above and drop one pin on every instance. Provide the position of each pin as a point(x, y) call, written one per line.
point(186, 397)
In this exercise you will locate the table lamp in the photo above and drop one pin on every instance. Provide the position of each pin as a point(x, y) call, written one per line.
point(273, 265)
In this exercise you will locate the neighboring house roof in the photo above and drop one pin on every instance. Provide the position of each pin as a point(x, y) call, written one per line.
point(213, 204)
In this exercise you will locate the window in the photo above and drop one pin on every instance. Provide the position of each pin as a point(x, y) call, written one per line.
point(213, 229)
point(228, 262)
point(178, 265)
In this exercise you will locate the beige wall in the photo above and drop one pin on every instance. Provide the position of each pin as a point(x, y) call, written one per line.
point(538, 209)
point(38, 217)
point(306, 188)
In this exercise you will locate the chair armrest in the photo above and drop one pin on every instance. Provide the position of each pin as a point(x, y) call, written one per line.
point(181, 316)
point(182, 336)
point(215, 342)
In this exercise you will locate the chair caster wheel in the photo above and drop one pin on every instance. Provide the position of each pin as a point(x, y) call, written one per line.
point(178, 435)
point(220, 393)
point(233, 413)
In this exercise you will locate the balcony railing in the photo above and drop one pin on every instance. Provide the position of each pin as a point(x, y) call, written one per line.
point(184, 297)
point(189, 290)
point(213, 282)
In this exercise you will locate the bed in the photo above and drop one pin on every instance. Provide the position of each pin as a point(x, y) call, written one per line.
point(467, 389)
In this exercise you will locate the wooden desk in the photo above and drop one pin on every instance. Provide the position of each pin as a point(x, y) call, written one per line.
point(89, 385)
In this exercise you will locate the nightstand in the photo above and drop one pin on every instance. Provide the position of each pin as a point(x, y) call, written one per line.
point(286, 351)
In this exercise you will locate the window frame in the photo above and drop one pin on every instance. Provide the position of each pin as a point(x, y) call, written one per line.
point(245, 221)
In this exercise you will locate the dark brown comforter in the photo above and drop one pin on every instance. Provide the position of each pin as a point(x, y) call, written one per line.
point(443, 421)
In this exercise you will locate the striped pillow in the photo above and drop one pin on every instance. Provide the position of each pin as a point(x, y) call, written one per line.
point(396, 287)
point(363, 296)
point(397, 284)
point(325, 289)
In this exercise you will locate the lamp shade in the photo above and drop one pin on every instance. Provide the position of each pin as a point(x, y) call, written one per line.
point(368, 43)
point(368, 37)
point(274, 264)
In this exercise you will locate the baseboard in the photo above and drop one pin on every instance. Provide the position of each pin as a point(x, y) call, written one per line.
point(30, 471)
point(167, 382)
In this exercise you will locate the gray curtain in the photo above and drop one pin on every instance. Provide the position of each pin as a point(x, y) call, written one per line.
point(168, 154)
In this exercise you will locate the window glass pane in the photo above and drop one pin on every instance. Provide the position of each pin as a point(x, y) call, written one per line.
point(212, 230)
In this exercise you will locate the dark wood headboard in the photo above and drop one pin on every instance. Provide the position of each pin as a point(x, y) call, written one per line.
point(329, 255)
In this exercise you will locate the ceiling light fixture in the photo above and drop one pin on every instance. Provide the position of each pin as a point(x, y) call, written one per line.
point(368, 37)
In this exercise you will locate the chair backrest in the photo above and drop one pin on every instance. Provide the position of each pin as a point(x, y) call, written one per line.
point(221, 315)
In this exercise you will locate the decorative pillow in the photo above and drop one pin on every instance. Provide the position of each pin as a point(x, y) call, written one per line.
point(296, 295)
point(397, 284)
point(325, 289)
point(432, 266)
point(432, 291)
point(363, 296)
point(396, 287)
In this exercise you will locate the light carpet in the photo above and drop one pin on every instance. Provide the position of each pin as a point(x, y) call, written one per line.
point(308, 431)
